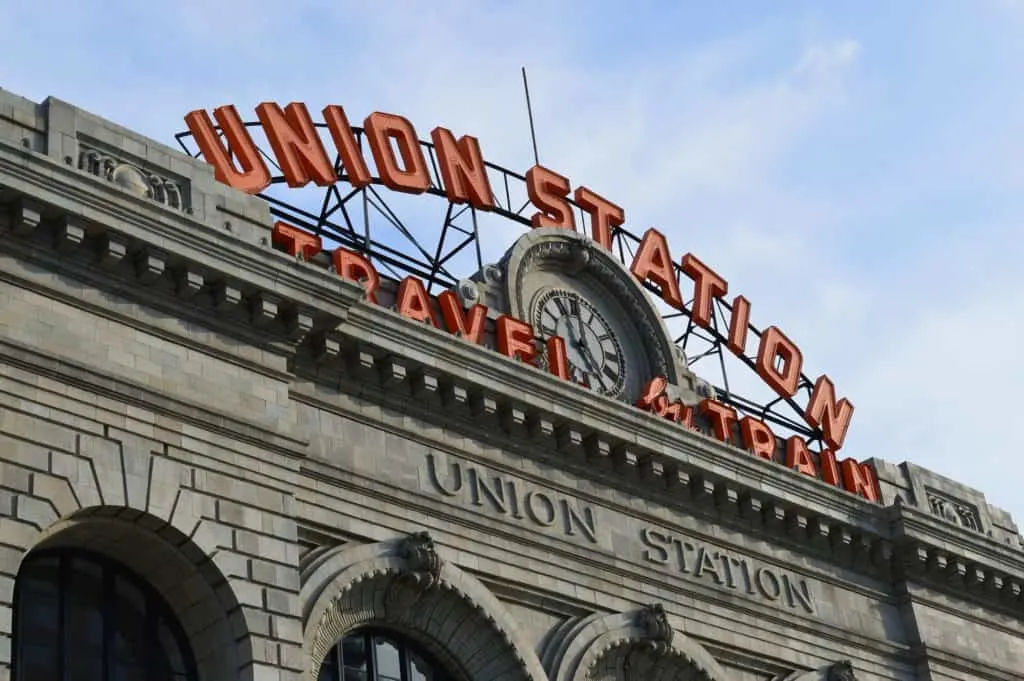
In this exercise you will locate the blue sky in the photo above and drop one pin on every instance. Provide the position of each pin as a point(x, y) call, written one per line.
point(854, 168)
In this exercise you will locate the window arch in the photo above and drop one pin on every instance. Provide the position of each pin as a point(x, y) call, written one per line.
point(377, 655)
point(79, 616)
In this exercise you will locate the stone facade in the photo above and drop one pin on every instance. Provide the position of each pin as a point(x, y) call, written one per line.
point(170, 396)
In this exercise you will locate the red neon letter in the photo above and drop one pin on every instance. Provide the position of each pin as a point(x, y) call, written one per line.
point(775, 346)
point(798, 458)
point(548, 191)
point(738, 323)
point(413, 302)
point(758, 438)
point(354, 267)
point(721, 417)
point(653, 263)
point(515, 339)
point(380, 129)
point(833, 417)
point(462, 169)
point(254, 176)
point(604, 215)
point(860, 479)
point(296, 144)
point(295, 240)
point(469, 326)
point(829, 468)
point(652, 393)
point(357, 174)
point(558, 360)
point(706, 285)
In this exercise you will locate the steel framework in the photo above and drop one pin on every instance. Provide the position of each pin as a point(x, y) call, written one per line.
point(363, 219)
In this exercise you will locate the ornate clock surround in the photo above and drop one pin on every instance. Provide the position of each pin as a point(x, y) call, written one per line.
point(565, 251)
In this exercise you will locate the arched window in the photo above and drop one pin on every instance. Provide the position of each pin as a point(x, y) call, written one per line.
point(82, 617)
point(373, 655)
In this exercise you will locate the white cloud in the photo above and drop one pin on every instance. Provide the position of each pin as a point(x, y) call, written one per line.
point(826, 60)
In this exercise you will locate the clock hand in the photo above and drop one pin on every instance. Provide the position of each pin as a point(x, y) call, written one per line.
point(573, 338)
point(587, 355)
point(592, 365)
point(588, 358)
point(578, 344)
point(591, 360)
point(582, 339)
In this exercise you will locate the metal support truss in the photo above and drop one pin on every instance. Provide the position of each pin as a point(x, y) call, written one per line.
point(400, 242)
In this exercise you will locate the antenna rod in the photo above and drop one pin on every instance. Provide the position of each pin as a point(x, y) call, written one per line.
point(529, 112)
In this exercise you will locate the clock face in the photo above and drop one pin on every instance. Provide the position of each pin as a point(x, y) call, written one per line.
point(595, 356)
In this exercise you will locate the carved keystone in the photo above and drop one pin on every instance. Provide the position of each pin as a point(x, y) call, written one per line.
point(841, 671)
point(578, 258)
point(423, 565)
point(421, 572)
point(657, 632)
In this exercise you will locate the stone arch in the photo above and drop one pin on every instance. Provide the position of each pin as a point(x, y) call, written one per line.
point(119, 487)
point(177, 567)
point(634, 645)
point(403, 584)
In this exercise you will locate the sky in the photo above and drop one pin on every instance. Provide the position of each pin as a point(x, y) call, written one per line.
point(853, 168)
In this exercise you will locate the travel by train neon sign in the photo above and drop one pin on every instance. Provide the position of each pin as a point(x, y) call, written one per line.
point(398, 158)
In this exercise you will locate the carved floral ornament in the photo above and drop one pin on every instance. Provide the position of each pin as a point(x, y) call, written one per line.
point(131, 177)
point(953, 511)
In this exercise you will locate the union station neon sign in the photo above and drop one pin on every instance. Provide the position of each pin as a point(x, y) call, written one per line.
point(402, 167)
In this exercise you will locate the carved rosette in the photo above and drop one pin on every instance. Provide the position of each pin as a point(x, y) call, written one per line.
point(420, 572)
point(841, 671)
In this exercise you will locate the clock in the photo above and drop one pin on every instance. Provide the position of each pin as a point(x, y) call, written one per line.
point(596, 358)
point(569, 286)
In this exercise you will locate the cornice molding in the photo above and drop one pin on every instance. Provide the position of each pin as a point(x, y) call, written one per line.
point(63, 190)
